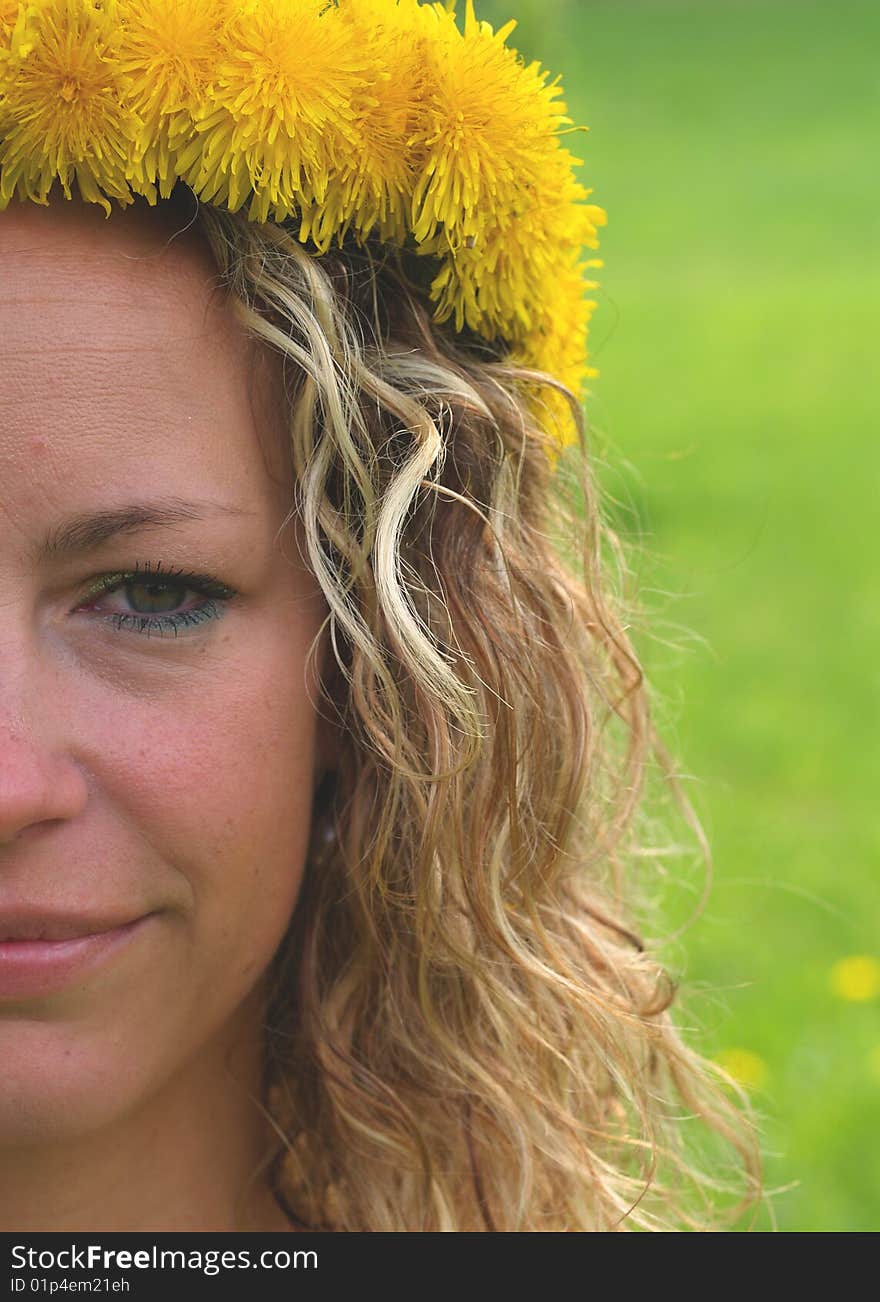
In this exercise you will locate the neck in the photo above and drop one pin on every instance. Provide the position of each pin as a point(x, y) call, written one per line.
point(188, 1159)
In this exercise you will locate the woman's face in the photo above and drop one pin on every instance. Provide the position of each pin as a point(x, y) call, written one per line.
point(159, 745)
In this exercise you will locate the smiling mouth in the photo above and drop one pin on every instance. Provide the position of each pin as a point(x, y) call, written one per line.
point(42, 956)
point(53, 928)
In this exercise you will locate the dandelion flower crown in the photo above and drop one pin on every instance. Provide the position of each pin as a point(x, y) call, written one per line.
point(356, 118)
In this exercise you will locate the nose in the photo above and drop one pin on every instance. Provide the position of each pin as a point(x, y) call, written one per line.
point(38, 783)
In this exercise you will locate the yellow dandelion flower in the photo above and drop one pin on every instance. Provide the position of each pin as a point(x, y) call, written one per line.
point(63, 111)
point(744, 1066)
point(374, 188)
point(499, 203)
point(281, 116)
point(8, 15)
point(857, 978)
point(13, 14)
point(488, 123)
point(357, 116)
point(558, 346)
point(171, 53)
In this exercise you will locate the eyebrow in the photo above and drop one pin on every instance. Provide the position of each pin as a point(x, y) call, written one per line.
point(91, 529)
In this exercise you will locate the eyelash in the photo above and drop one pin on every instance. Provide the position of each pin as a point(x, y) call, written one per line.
point(206, 585)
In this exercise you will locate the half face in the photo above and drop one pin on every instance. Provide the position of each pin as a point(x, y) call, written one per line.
point(159, 743)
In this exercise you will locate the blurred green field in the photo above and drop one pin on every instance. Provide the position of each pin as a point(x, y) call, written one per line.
point(733, 144)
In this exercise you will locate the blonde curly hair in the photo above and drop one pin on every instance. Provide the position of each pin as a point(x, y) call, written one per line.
point(465, 1031)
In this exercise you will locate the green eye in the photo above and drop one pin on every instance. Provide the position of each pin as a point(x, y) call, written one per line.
point(153, 598)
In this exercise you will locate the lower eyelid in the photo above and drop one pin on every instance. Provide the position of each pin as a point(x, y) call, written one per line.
point(194, 618)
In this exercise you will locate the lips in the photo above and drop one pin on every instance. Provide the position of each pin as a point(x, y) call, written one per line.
point(29, 924)
point(43, 953)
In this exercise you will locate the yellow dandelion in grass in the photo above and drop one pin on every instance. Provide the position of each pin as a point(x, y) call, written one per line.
point(171, 53)
point(281, 115)
point(63, 105)
point(744, 1066)
point(857, 978)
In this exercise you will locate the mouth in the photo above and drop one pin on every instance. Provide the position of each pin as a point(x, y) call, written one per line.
point(44, 954)
point(28, 923)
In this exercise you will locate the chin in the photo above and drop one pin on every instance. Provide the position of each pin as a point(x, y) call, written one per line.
point(59, 1082)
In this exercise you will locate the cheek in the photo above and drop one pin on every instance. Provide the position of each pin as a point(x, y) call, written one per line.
point(200, 781)
point(212, 774)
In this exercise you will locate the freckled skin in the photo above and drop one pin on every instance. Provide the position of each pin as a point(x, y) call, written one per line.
point(138, 775)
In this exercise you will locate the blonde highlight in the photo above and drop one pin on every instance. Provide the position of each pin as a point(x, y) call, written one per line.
point(465, 1029)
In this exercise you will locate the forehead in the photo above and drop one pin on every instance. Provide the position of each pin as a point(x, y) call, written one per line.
point(137, 248)
point(118, 350)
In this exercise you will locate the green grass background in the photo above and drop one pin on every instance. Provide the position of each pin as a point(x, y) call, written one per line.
point(734, 146)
